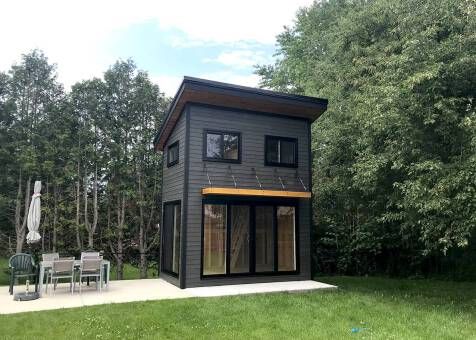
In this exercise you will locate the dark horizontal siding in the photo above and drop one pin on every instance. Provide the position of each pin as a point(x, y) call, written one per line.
point(253, 128)
point(173, 177)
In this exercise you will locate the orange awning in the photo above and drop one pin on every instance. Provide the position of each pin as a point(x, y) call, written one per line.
point(256, 192)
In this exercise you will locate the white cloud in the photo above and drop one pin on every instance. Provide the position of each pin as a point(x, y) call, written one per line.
point(78, 35)
point(168, 84)
point(232, 77)
point(240, 58)
point(229, 21)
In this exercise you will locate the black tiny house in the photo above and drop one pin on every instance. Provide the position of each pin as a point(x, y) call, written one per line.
point(236, 185)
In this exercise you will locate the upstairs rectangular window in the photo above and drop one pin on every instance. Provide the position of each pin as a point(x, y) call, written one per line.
point(173, 154)
point(281, 151)
point(222, 146)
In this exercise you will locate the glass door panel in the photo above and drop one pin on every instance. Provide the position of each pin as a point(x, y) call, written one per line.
point(286, 238)
point(239, 246)
point(214, 239)
point(171, 238)
point(176, 247)
point(264, 239)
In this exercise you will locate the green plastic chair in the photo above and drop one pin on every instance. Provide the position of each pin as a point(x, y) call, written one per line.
point(22, 265)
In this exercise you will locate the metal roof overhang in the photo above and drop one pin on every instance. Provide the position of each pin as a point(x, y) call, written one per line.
point(201, 91)
point(255, 192)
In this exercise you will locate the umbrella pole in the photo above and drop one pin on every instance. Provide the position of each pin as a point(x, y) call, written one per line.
point(34, 251)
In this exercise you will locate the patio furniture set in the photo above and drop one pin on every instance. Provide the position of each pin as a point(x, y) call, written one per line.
point(53, 268)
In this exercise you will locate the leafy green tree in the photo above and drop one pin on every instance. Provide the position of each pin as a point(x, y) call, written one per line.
point(92, 149)
point(6, 180)
point(134, 110)
point(149, 106)
point(394, 156)
point(88, 100)
point(33, 92)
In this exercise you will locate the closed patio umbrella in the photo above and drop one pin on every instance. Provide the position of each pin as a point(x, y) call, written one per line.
point(34, 215)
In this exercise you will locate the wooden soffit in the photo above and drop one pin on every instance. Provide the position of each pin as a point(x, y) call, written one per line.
point(201, 91)
point(255, 192)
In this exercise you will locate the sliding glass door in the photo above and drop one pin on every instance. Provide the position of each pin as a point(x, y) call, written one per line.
point(171, 238)
point(214, 239)
point(248, 238)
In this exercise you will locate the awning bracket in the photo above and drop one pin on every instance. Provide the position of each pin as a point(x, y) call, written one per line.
point(280, 179)
point(232, 176)
point(257, 178)
point(208, 176)
point(300, 180)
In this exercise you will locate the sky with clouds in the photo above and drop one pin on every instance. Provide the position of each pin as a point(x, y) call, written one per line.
point(218, 40)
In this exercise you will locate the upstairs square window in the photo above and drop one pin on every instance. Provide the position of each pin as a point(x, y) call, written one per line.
point(281, 151)
point(222, 146)
point(173, 154)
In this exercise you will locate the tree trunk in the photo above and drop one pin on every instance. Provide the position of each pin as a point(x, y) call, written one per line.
point(10, 248)
point(25, 211)
point(92, 228)
point(78, 208)
point(20, 226)
point(86, 217)
point(142, 231)
point(121, 208)
point(143, 265)
point(19, 239)
point(55, 214)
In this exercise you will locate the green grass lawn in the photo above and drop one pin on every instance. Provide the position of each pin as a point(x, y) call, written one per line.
point(132, 272)
point(376, 308)
point(4, 276)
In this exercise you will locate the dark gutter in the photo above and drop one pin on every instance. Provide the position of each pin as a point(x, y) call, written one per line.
point(171, 108)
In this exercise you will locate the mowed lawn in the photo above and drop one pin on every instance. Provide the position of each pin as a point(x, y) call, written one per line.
point(362, 308)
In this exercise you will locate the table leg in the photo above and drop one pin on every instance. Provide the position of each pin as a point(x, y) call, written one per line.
point(102, 278)
point(108, 273)
point(37, 278)
point(41, 278)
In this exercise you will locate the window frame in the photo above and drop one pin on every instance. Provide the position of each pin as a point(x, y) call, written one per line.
point(222, 133)
point(268, 138)
point(228, 202)
point(170, 162)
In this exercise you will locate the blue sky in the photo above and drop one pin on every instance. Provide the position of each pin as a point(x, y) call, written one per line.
point(165, 54)
point(218, 40)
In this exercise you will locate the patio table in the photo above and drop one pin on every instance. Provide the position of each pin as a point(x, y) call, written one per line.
point(46, 265)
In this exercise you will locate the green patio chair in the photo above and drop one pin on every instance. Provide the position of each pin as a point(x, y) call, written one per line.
point(22, 265)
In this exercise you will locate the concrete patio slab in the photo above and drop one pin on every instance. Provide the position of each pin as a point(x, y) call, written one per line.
point(142, 290)
point(117, 292)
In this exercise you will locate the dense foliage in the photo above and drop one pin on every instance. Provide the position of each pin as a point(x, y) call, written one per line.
point(395, 154)
point(91, 148)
